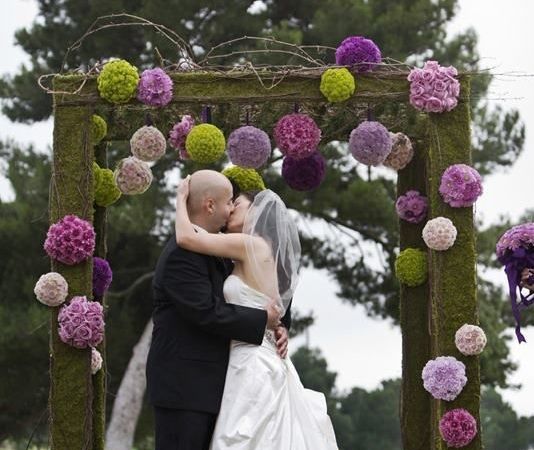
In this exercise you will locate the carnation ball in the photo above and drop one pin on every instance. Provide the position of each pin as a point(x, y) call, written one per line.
point(249, 147)
point(370, 143)
point(439, 233)
point(304, 174)
point(51, 289)
point(132, 176)
point(148, 144)
point(297, 135)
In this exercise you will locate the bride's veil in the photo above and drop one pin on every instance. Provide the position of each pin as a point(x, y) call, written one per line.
point(269, 219)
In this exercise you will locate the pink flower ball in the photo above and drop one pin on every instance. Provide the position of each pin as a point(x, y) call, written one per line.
point(81, 323)
point(457, 428)
point(434, 88)
point(439, 233)
point(148, 144)
point(370, 143)
point(401, 152)
point(51, 289)
point(155, 87)
point(249, 147)
point(96, 360)
point(178, 135)
point(412, 206)
point(70, 241)
point(132, 176)
point(461, 185)
point(297, 135)
point(470, 340)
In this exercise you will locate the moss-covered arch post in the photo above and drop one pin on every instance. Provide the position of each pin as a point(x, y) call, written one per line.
point(430, 314)
point(71, 192)
point(453, 279)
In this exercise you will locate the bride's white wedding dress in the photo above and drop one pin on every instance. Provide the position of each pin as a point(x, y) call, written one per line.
point(264, 405)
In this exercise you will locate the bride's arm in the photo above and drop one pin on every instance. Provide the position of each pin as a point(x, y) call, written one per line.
point(224, 245)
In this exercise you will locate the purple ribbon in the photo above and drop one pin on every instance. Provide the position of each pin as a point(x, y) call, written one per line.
point(514, 263)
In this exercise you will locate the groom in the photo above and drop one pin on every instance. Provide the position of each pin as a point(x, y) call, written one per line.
point(193, 326)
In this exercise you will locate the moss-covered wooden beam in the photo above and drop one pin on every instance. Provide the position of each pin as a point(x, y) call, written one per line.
point(453, 272)
point(414, 320)
point(71, 388)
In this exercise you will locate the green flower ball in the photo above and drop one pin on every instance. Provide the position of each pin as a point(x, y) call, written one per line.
point(337, 85)
point(117, 83)
point(97, 176)
point(411, 268)
point(99, 129)
point(246, 179)
point(205, 143)
point(107, 192)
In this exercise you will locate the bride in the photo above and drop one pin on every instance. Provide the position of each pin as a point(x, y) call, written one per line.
point(264, 405)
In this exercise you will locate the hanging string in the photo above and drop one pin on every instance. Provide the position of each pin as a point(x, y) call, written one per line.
point(370, 115)
point(206, 114)
point(148, 120)
point(247, 117)
point(296, 108)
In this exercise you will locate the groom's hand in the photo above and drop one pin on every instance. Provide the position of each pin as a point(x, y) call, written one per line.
point(273, 315)
point(282, 340)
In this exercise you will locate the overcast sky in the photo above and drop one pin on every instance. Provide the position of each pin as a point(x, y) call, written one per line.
point(365, 351)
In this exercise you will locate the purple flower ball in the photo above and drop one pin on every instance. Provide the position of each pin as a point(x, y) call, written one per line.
point(359, 53)
point(249, 147)
point(297, 135)
point(412, 207)
point(370, 143)
point(102, 276)
point(70, 241)
point(178, 135)
point(154, 88)
point(519, 236)
point(304, 174)
point(461, 185)
point(81, 323)
point(444, 377)
point(434, 88)
point(458, 428)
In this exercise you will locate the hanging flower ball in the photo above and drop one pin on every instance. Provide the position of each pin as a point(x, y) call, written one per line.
point(178, 135)
point(337, 85)
point(439, 233)
point(97, 176)
point(444, 377)
point(457, 427)
point(107, 191)
point(205, 143)
point(70, 241)
point(370, 143)
point(434, 88)
point(249, 147)
point(51, 289)
point(132, 176)
point(246, 179)
point(96, 361)
point(304, 174)
point(461, 185)
point(155, 87)
point(99, 129)
point(102, 276)
point(148, 144)
point(401, 152)
point(470, 340)
point(117, 82)
point(81, 323)
point(412, 207)
point(360, 53)
point(411, 267)
point(297, 135)
point(515, 250)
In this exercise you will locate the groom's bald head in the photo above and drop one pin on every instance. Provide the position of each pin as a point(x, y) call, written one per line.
point(210, 197)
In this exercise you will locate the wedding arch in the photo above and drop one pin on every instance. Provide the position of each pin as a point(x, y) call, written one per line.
point(431, 312)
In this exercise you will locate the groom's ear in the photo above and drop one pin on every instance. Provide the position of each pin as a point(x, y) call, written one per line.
point(210, 206)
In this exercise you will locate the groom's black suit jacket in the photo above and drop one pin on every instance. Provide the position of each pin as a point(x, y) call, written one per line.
point(193, 326)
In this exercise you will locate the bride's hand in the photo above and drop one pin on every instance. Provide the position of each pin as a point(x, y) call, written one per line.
point(182, 192)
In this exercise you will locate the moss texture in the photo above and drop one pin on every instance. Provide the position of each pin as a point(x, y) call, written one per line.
point(71, 389)
point(453, 272)
point(414, 319)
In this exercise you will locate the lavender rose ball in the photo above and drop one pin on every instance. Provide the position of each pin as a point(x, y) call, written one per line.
point(412, 206)
point(102, 276)
point(154, 88)
point(360, 53)
point(249, 147)
point(370, 143)
point(461, 185)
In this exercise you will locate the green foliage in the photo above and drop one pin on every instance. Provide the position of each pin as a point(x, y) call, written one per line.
point(205, 143)
point(411, 267)
point(246, 179)
point(337, 85)
point(99, 129)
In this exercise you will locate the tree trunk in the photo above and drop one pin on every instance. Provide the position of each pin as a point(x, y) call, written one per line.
point(127, 405)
